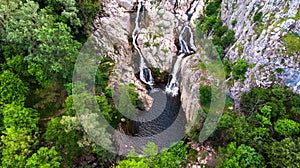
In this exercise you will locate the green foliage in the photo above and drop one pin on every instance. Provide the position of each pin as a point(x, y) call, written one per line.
point(285, 153)
point(103, 73)
point(210, 22)
point(292, 42)
point(133, 163)
point(171, 158)
point(108, 111)
point(258, 17)
point(239, 69)
point(16, 147)
point(19, 117)
point(233, 22)
point(220, 51)
point(205, 95)
point(242, 156)
point(44, 157)
point(279, 70)
point(278, 98)
point(134, 97)
point(263, 111)
point(65, 141)
point(12, 88)
point(213, 8)
point(45, 42)
point(19, 135)
point(67, 10)
point(286, 127)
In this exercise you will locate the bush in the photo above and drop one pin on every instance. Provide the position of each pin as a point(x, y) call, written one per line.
point(286, 127)
point(233, 22)
point(284, 153)
point(239, 69)
point(292, 42)
point(213, 8)
point(258, 17)
point(205, 95)
point(243, 156)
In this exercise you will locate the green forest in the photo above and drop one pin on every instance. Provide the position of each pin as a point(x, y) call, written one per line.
point(39, 43)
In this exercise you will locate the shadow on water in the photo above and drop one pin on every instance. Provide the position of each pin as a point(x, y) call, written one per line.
point(164, 110)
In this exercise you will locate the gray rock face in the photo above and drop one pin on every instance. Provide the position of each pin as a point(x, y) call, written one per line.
point(261, 42)
point(159, 30)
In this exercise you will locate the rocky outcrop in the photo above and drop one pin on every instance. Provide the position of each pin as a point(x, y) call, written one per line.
point(261, 43)
point(157, 41)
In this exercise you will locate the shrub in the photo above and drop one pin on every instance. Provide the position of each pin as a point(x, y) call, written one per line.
point(239, 69)
point(292, 42)
point(258, 17)
point(205, 95)
point(286, 127)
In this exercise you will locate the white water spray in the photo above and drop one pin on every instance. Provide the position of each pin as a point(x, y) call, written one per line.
point(145, 73)
point(186, 48)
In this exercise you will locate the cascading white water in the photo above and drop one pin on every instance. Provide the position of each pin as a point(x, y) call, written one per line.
point(145, 73)
point(172, 87)
point(186, 48)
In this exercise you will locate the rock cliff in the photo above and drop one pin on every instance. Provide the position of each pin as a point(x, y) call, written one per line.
point(260, 28)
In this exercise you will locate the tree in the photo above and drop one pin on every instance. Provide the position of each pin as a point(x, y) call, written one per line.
point(44, 157)
point(285, 127)
point(133, 163)
point(242, 156)
point(285, 153)
point(46, 43)
point(16, 116)
point(65, 141)
point(171, 158)
point(239, 69)
point(16, 147)
point(19, 135)
point(12, 88)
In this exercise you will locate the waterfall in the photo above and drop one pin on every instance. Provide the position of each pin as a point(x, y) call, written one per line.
point(145, 73)
point(186, 47)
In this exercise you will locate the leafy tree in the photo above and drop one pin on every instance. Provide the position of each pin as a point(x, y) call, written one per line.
point(258, 17)
point(65, 141)
point(213, 8)
point(19, 135)
point(239, 69)
point(220, 51)
point(241, 156)
point(45, 42)
point(286, 127)
point(132, 163)
point(150, 149)
point(285, 153)
point(16, 147)
point(67, 10)
point(12, 88)
point(19, 117)
point(172, 158)
point(44, 157)
point(108, 111)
